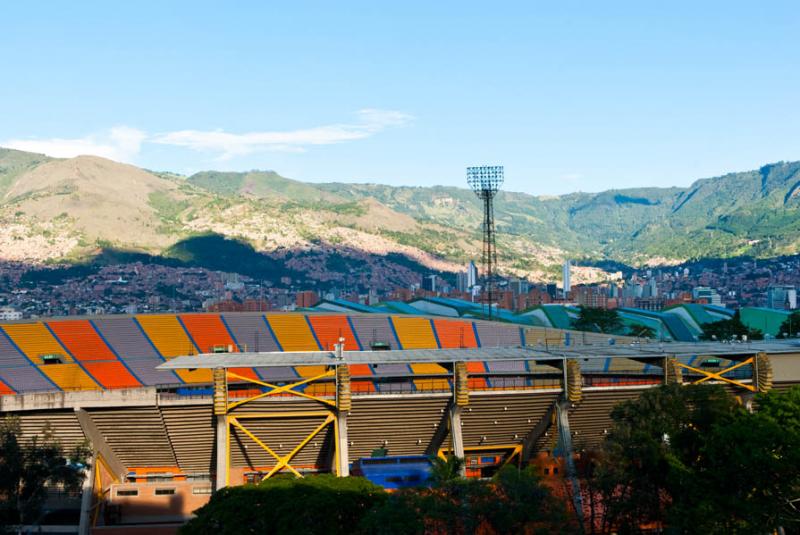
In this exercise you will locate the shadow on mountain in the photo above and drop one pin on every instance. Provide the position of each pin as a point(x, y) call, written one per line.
point(219, 253)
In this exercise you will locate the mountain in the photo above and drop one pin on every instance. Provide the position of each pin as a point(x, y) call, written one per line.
point(55, 210)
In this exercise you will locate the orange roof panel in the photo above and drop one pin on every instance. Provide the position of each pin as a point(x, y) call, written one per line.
point(330, 328)
point(80, 338)
point(455, 334)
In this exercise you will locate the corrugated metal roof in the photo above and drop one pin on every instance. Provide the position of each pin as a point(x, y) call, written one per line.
point(639, 351)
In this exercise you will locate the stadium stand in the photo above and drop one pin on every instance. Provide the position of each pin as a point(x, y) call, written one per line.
point(293, 332)
point(415, 333)
point(455, 334)
point(329, 329)
point(170, 338)
point(37, 342)
point(124, 337)
point(374, 331)
point(163, 428)
point(498, 335)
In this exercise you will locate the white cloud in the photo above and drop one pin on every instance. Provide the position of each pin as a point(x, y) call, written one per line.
point(121, 143)
point(229, 145)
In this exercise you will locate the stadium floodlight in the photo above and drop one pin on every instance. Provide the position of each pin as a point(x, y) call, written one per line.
point(485, 181)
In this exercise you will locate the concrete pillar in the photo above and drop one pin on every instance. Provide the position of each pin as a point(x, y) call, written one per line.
point(85, 521)
point(342, 445)
point(565, 438)
point(455, 434)
point(222, 451)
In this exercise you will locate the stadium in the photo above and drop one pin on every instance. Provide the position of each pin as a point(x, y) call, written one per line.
point(177, 406)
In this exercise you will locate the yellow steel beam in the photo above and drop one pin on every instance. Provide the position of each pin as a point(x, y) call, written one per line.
point(516, 450)
point(291, 414)
point(264, 447)
point(336, 444)
point(707, 375)
point(227, 451)
point(284, 461)
point(275, 389)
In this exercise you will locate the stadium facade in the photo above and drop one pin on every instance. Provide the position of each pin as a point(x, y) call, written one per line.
point(176, 406)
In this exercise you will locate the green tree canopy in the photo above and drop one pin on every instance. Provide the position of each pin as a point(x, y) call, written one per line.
point(791, 325)
point(598, 320)
point(29, 467)
point(691, 459)
point(642, 331)
point(730, 328)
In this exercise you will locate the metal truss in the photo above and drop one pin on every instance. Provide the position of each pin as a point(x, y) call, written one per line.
point(513, 451)
point(283, 461)
point(718, 376)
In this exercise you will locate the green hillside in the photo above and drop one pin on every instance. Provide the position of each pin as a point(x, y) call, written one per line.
point(84, 204)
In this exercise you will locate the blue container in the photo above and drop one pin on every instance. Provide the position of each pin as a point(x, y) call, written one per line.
point(395, 472)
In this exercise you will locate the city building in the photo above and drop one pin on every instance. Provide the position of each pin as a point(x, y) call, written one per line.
point(10, 314)
point(566, 282)
point(782, 297)
point(429, 283)
point(472, 275)
point(704, 294)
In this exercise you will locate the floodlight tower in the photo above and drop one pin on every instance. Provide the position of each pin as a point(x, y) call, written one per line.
point(485, 181)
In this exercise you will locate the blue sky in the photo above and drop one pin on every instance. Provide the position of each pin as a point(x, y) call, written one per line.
point(568, 96)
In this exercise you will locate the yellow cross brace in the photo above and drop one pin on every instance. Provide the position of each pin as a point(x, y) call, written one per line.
point(275, 389)
point(283, 461)
point(719, 376)
point(515, 450)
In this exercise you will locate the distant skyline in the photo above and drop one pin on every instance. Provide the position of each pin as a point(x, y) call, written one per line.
point(567, 96)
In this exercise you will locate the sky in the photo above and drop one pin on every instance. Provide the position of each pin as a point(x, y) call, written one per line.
point(568, 96)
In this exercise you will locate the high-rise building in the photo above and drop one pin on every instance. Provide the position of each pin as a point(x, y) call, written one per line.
point(709, 295)
point(782, 297)
point(567, 285)
point(461, 281)
point(429, 283)
point(307, 298)
point(472, 275)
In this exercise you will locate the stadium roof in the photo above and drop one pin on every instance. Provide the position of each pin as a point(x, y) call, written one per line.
point(639, 351)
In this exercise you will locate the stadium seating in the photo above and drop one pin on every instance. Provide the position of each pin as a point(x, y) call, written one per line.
point(123, 352)
point(170, 338)
point(208, 333)
point(5, 389)
point(250, 332)
point(69, 377)
point(503, 419)
point(493, 335)
point(36, 341)
point(372, 330)
point(403, 428)
point(415, 333)
point(191, 433)
point(455, 334)
point(137, 435)
point(330, 328)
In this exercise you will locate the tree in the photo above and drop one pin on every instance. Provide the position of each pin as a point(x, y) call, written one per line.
point(730, 328)
point(690, 459)
point(29, 468)
point(317, 504)
point(598, 320)
point(641, 331)
point(790, 326)
point(651, 435)
point(445, 472)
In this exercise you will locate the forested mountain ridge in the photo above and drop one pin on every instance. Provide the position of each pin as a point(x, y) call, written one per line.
point(55, 210)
